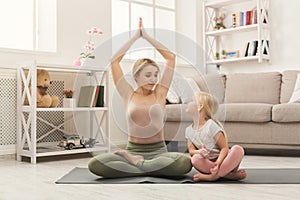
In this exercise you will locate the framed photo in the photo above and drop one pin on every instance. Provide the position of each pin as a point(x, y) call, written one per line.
point(232, 54)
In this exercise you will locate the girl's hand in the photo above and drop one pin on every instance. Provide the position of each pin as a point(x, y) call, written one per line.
point(217, 164)
point(214, 170)
point(204, 152)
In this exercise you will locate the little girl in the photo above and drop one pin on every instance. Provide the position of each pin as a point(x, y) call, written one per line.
point(207, 143)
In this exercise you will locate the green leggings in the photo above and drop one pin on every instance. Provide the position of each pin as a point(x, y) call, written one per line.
point(158, 162)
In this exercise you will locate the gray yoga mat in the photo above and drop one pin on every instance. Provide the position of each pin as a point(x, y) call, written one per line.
point(255, 176)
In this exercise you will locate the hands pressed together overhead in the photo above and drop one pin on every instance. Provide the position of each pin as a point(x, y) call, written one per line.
point(141, 31)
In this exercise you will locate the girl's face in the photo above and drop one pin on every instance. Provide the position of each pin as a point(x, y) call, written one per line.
point(147, 77)
point(192, 108)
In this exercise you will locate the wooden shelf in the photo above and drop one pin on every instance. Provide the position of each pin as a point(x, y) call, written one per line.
point(240, 29)
point(231, 60)
point(220, 4)
point(64, 68)
point(213, 40)
point(53, 151)
point(75, 109)
point(28, 138)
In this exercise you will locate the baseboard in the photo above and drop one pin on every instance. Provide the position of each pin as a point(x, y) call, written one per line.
point(267, 146)
point(8, 157)
point(273, 152)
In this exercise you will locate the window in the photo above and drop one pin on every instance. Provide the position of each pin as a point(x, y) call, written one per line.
point(28, 25)
point(156, 14)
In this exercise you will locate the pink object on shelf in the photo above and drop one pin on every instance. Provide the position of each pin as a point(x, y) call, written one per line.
point(77, 62)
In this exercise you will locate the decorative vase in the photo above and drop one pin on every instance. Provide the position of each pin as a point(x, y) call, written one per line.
point(77, 62)
point(82, 60)
point(69, 102)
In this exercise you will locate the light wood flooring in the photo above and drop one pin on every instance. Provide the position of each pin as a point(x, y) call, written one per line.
point(22, 180)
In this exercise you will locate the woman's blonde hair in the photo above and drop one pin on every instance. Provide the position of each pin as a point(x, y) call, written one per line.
point(210, 105)
point(140, 64)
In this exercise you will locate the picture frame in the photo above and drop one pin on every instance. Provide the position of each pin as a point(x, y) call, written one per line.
point(232, 54)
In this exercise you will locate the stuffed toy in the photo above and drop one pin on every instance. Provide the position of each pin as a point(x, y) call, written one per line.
point(43, 100)
point(219, 22)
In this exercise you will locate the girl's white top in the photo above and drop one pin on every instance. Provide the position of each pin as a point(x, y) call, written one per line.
point(205, 136)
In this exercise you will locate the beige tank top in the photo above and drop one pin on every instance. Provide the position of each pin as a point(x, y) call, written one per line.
point(145, 121)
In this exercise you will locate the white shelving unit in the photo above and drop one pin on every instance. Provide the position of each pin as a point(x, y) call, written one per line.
point(212, 39)
point(28, 142)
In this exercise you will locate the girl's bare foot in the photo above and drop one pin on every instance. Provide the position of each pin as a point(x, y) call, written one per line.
point(237, 175)
point(198, 177)
point(132, 159)
point(205, 177)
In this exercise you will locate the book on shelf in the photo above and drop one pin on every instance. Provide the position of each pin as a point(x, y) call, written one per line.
point(245, 52)
point(265, 44)
point(244, 18)
point(233, 20)
point(96, 95)
point(251, 48)
point(86, 96)
point(99, 97)
point(255, 46)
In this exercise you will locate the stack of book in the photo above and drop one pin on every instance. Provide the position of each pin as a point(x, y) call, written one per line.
point(91, 96)
point(244, 18)
point(251, 48)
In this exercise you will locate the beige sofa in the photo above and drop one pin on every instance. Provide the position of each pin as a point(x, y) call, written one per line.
point(253, 107)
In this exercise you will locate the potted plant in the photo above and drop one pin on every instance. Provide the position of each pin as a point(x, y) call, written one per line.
point(223, 54)
point(89, 47)
point(68, 100)
point(217, 56)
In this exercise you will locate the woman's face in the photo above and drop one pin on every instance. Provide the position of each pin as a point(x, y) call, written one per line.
point(147, 77)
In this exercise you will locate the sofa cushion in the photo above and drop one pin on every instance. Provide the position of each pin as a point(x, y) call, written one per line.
point(245, 112)
point(295, 98)
point(253, 88)
point(213, 84)
point(176, 113)
point(185, 88)
point(288, 84)
point(286, 112)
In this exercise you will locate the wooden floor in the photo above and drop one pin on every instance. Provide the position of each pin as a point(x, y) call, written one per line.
point(22, 180)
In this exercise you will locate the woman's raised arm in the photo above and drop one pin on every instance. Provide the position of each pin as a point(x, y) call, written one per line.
point(123, 87)
point(170, 59)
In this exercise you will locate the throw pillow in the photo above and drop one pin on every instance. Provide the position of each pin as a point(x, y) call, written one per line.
point(172, 97)
point(295, 98)
point(185, 88)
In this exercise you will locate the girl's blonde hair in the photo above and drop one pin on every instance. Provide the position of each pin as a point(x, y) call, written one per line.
point(140, 64)
point(210, 105)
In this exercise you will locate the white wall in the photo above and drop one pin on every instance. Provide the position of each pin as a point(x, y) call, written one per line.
point(285, 41)
point(74, 18)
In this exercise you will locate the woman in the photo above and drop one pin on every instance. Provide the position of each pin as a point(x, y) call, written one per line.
point(146, 152)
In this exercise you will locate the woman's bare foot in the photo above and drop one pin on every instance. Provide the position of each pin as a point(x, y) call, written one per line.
point(237, 175)
point(132, 159)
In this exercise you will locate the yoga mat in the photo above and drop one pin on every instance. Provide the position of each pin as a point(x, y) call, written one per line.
point(254, 176)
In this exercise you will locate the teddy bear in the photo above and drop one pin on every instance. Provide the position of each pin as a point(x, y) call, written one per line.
point(219, 22)
point(43, 100)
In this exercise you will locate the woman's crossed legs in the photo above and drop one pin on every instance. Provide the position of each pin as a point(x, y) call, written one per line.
point(124, 164)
